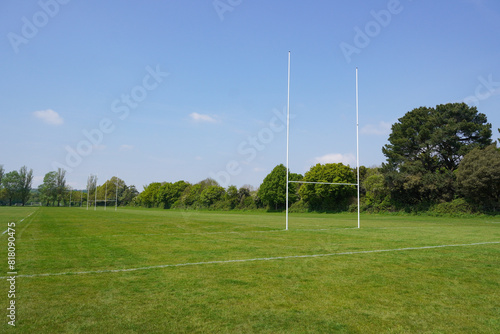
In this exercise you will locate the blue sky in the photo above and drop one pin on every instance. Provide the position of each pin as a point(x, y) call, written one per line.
point(169, 90)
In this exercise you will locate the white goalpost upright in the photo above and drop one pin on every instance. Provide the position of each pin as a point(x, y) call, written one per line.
point(287, 139)
point(92, 186)
point(95, 194)
point(357, 184)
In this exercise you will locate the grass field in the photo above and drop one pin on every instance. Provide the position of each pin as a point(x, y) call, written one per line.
point(157, 271)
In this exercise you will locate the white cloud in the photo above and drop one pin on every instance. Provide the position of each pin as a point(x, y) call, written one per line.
point(380, 129)
point(202, 118)
point(346, 159)
point(49, 116)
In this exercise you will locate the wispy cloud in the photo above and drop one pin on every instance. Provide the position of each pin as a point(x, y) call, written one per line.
point(380, 129)
point(49, 116)
point(202, 118)
point(346, 159)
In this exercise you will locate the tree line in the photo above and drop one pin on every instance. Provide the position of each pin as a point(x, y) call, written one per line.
point(440, 159)
point(16, 189)
point(15, 186)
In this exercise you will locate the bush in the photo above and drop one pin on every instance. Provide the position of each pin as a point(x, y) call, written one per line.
point(458, 206)
point(299, 207)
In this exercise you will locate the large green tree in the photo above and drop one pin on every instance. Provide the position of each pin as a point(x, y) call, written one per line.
point(169, 193)
point(426, 147)
point(11, 182)
point(232, 197)
point(25, 183)
point(128, 195)
point(61, 189)
point(328, 197)
point(211, 195)
point(111, 189)
point(148, 197)
point(478, 177)
point(47, 189)
point(272, 191)
point(91, 189)
point(2, 172)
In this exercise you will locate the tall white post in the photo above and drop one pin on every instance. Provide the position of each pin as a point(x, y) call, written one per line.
point(95, 200)
point(287, 141)
point(116, 196)
point(106, 196)
point(88, 181)
point(357, 147)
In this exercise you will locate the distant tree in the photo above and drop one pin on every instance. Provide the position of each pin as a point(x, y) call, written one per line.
point(111, 189)
point(2, 172)
point(478, 178)
point(128, 195)
point(272, 191)
point(91, 188)
point(375, 189)
point(243, 192)
point(169, 193)
point(426, 147)
point(232, 197)
point(208, 182)
point(211, 195)
point(61, 189)
point(2, 191)
point(328, 197)
point(245, 198)
point(25, 183)
point(191, 197)
point(11, 182)
point(148, 197)
point(75, 196)
point(47, 189)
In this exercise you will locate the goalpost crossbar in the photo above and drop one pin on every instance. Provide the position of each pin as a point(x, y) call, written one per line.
point(335, 184)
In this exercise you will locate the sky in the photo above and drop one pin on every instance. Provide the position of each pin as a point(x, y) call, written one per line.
point(164, 90)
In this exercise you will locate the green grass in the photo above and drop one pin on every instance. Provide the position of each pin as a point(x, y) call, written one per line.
point(428, 290)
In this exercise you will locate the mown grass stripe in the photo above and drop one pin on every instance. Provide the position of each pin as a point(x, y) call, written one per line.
point(252, 260)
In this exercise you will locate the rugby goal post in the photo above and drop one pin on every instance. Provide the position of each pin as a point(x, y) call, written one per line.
point(326, 183)
point(92, 186)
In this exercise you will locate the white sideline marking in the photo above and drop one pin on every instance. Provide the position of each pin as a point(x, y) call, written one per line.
point(162, 234)
point(251, 260)
point(18, 222)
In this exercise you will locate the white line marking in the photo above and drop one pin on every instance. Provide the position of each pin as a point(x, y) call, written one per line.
point(19, 222)
point(251, 260)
